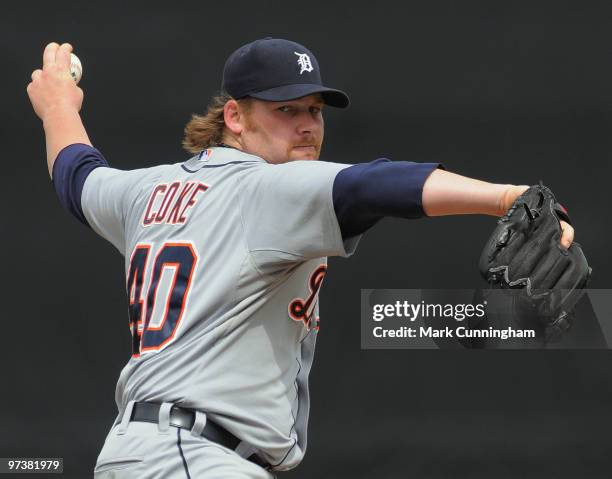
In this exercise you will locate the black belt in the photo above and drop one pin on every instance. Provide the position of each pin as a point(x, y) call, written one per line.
point(185, 419)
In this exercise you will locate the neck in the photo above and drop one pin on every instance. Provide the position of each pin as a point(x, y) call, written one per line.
point(231, 142)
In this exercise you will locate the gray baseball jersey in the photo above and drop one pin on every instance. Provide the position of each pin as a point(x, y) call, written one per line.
point(225, 255)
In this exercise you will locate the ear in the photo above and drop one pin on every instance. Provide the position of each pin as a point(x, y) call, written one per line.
point(233, 117)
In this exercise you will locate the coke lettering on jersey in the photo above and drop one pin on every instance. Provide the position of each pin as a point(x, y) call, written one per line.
point(170, 203)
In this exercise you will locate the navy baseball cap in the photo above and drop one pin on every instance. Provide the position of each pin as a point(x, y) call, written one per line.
point(274, 69)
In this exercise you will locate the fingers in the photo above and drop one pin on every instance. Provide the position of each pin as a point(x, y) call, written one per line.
point(567, 236)
point(62, 57)
point(49, 54)
point(55, 54)
point(35, 76)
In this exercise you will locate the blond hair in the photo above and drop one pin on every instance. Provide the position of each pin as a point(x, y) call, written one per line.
point(205, 131)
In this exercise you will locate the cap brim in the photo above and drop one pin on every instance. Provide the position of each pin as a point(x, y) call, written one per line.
point(331, 97)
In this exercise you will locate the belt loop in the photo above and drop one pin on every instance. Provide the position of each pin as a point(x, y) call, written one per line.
point(127, 415)
point(199, 424)
point(244, 449)
point(164, 418)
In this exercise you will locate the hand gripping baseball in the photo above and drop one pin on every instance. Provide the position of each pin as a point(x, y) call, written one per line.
point(53, 87)
point(524, 252)
point(57, 101)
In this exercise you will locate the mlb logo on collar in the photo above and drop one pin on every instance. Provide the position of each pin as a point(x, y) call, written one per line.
point(205, 155)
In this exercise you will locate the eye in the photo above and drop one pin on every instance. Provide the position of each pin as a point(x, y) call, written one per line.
point(285, 109)
point(315, 109)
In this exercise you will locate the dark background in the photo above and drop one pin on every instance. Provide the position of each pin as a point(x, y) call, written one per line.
point(510, 92)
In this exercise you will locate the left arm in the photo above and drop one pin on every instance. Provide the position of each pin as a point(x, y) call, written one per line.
point(446, 193)
point(366, 192)
point(57, 101)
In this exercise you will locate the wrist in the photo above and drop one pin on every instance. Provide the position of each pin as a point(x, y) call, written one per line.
point(59, 113)
point(509, 196)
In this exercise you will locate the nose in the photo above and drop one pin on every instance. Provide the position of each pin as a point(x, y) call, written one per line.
point(308, 124)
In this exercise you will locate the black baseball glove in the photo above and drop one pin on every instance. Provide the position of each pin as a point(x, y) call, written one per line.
point(524, 253)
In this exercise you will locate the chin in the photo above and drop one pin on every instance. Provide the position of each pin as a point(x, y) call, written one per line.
point(304, 156)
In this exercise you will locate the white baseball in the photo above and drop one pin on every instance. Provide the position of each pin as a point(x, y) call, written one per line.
point(76, 68)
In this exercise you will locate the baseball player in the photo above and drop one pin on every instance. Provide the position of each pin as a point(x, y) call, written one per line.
point(225, 254)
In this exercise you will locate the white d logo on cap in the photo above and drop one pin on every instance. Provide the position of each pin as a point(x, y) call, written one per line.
point(304, 62)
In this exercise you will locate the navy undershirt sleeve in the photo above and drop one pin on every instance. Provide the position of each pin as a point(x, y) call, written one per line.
point(70, 170)
point(366, 192)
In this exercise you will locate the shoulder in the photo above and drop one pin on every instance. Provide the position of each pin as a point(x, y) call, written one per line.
point(296, 180)
point(139, 175)
point(303, 170)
